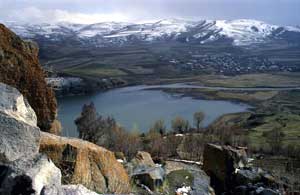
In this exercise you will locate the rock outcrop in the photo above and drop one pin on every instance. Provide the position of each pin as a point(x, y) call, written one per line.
point(20, 68)
point(220, 163)
point(19, 134)
point(143, 159)
point(85, 163)
point(23, 170)
point(230, 174)
point(144, 172)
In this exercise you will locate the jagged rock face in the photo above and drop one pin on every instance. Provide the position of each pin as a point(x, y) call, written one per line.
point(20, 68)
point(85, 163)
point(220, 163)
point(19, 134)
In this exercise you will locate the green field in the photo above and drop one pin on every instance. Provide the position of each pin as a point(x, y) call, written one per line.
point(291, 130)
point(95, 71)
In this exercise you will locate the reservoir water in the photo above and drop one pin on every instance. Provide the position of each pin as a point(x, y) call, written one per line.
point(138, 108)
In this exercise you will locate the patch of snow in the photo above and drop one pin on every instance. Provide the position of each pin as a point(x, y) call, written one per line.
point(250, 160)
point(209, 39)
point(200, 35)
point(120, 160)
point(245, 32)
point(185, 190)
point(186, 161)
point(292, 28)
point(242, 32)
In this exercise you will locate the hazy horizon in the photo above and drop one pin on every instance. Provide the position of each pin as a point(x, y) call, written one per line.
point(278, 12)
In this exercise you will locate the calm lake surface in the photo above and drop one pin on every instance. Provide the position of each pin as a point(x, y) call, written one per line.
point(138, 108)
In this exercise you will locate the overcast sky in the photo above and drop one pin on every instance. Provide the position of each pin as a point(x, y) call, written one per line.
point(281, 12)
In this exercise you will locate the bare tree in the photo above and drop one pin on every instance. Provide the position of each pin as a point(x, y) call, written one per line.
point(154, 142)
point(128, 143)
point(95, 128)
point(275, 138)
point(198, 119)
point(105, 132)
point(85, 121)
point(159, 127)
point(180, 125)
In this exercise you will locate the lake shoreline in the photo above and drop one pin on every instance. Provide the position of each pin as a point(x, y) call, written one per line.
point(136, 103)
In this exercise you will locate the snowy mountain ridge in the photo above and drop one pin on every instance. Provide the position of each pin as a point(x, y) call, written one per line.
point(241, 32)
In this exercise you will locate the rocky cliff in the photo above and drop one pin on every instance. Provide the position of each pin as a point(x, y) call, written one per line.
point(20, 68)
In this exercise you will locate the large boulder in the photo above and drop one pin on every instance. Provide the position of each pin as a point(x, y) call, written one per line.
point(20, 68)
point(22, 169)
point(182, 177)
point(85, 163)
point(19, 134)
point(220, 163)
point(144, 172)
point(152, 177)
point(76, 190)
point(246, 176)
point(25, 176)
point(143, 159)
point(67, 190)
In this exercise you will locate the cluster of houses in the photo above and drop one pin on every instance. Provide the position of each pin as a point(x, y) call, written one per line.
point(230, 64)
point(64, 85)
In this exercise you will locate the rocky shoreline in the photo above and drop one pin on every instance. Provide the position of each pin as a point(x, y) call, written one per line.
point(72, 86)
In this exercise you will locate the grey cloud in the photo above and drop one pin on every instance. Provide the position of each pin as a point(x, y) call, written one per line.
point(273, 11)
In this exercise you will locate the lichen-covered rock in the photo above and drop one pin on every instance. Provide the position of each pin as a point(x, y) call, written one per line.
point(25, 176)
point(85, 163)
point(19, 134)
point(20, 68)
point(183, 175)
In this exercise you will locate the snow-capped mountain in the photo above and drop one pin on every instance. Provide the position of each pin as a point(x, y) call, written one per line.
point(236, 32)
